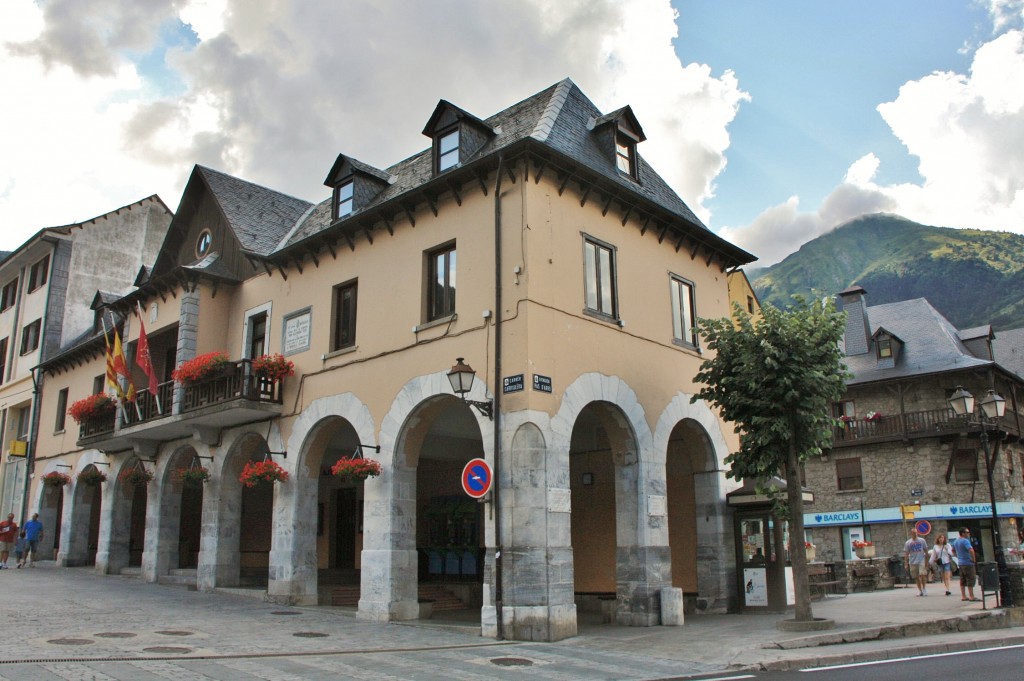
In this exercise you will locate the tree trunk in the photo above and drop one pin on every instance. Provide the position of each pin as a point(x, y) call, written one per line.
point(797, 551)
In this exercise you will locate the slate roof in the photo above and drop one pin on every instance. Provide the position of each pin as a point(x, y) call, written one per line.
point(1008, 349)
point(259, 217)
point(4, 254)
point(931, 343)
point(559, 117)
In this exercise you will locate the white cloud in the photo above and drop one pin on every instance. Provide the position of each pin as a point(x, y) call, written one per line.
point(274, 91)
point(967, 132)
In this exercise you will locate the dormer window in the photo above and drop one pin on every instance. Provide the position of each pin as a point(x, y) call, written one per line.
point(343, 200)
point(884, 348)
point(625, 154)
point(448, 150)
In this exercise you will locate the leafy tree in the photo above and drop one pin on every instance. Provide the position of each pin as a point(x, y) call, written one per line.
point(776, 381)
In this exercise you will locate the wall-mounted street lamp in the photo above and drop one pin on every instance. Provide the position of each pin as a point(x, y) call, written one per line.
point(461, 377)
point(993, 406)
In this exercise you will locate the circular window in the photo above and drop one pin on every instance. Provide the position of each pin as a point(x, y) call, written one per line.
point(203, 243)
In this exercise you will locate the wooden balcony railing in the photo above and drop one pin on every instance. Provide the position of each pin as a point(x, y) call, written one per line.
point(236, 382)
point(97, 425)
point(147, 407)
point(914, 424)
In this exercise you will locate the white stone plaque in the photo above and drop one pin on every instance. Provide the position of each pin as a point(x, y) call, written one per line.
point(656, 505)
point(559, 500)
point(296, 332)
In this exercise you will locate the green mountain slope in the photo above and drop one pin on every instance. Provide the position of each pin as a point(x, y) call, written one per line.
point(971, 276)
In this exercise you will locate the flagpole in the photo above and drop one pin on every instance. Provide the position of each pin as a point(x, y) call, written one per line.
point(154, 389)
point(109, 364)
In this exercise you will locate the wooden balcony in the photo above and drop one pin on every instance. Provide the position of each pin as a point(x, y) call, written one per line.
point(235, 396)
point(917, 424)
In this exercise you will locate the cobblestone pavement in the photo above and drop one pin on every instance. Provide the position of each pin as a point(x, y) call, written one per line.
point(73, 624)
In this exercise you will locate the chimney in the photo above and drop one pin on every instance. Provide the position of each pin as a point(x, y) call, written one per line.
point(856, 335)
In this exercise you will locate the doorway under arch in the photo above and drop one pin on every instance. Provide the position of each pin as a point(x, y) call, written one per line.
point(83, 533)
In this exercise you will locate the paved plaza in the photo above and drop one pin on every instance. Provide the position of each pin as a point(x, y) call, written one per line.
point(75, 624)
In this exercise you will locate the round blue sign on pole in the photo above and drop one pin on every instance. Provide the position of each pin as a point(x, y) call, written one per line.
point(923, 527)
point(477, 478)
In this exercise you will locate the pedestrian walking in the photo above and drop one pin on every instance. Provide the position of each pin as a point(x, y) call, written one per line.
point(967, 561)
point(8, 535)
point(915, 553)
point(33, 533)
point(941, 559)
point(20, 549)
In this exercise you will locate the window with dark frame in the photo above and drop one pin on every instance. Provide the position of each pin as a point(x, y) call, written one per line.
point(448, 150)
point(843, 408)
point(343, 200)
point(965, 465)
point(62, 410)
point(345, 298)
point(599, 278)
point(884, 348)
point(750, 304)
point(625, 154)
point(848, 475)
point(441, 283)
point(30, 337)
point(37, 274)
point(3, 360)
point(257, 335)
point(683, 314)
point(99, 384)
point(9, 294)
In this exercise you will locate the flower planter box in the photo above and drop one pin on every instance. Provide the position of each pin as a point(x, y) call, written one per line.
point(811, 554)
point(864, 552)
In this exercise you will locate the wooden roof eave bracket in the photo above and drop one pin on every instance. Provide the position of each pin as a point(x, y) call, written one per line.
point(607, 205)
point(297, 260)
point(643, 228)
point(348, 238)
point(312, 254)
point(213, 289)
point(625, 218)
point(565, 181)
point(511, 174)
point(695, 250)
point(388, 226)
point(586, 193)
point(409, 214)
point(482, 179)
point(679, 242)
point(280, 268)
point(710, 257)
point(455, 193)
point(368, 231)
point(540, 171)
point(432, 202)
point(661, 234)
point(270, 272)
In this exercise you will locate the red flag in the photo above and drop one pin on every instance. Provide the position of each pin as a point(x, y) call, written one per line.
point(143, 360)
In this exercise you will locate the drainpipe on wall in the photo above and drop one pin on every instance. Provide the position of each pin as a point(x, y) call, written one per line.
point(497, 396)
point(33, 430)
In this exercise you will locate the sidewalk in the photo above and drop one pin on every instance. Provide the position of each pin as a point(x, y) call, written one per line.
point(75, 624)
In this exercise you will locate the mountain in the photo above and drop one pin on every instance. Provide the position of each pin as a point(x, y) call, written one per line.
point(971, 276)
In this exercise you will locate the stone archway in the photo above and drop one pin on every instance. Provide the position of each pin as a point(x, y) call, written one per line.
point(174, 514)
point(700, 530)
point(81, 531)
point(51, 502)
point(126, 534)
point(424, 436)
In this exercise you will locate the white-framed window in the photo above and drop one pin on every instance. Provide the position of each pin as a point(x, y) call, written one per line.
point(684, 317)
point(625, 154)
point(599, 279)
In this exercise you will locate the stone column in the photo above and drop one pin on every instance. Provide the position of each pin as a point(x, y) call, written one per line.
point(75, 531)
point(389, 577)
point(115, 531)
point(219, 560)
point(716, 557)
point(537, 560)
point(293, 559)
point(163, 520)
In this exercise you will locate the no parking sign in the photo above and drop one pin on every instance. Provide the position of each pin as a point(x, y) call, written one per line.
point(923, 527)
point(477, 478)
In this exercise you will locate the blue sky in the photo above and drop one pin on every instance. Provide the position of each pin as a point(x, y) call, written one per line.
point(816, 71)
point(775, 121)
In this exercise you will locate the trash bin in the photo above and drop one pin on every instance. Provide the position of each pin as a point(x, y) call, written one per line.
point(896, 570)
point(988, 576)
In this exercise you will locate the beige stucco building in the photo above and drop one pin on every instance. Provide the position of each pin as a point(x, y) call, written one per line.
point(578, 274)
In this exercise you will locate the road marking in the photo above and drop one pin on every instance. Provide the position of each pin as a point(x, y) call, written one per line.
point(908, 659)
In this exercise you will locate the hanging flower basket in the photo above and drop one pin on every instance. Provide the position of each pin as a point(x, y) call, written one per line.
point(135, 475)
point(201, 368)
point(193, 476)
point(56, 479)
point(91, 407)
point(274, 367)
point(262, 472)
point(355, 470)
point(92, 476)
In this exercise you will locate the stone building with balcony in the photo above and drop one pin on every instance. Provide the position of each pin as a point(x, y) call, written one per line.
point(535, 245)
point(46, 287)
point(900, 445)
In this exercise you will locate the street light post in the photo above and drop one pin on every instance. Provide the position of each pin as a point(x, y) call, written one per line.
point(993, 406)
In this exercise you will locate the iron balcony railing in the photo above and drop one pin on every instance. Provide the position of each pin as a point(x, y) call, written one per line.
point(913, 424)
point(96, 425)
